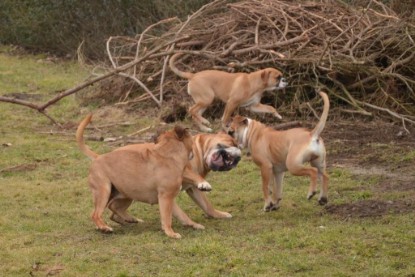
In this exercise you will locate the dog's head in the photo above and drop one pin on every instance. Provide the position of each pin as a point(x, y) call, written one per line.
point(222, 153)
point(273, 79)
point(238, 129)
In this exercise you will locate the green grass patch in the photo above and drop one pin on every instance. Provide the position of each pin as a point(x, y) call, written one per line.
point(46, 229)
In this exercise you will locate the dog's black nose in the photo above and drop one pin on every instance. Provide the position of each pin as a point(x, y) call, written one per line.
point(231, 132)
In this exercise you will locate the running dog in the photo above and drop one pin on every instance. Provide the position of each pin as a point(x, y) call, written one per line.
point(234, 89)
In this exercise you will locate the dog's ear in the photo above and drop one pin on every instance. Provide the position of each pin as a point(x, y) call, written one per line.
point(242, 120)
point(181, 132)
point(265, 75)
point(156, 136)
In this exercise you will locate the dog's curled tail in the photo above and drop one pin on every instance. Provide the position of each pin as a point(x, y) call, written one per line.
point(80, 138)
point(320, 125)
point(186, 75)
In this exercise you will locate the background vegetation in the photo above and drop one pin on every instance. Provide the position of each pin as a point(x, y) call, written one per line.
point(59, 26)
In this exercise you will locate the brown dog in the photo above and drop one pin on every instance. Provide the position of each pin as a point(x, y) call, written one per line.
point(234, 89)
point(144, 172)
point(278, 151)
point(217, 152)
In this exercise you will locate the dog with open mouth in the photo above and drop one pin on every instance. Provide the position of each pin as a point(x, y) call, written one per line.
point(217, 152)
point(234, 89)
point(211, 152)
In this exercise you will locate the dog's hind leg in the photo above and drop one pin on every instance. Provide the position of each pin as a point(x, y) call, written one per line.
point(184, 218)
point(230, 107)
point(196, 112)
point(324, 178)
point(295, 165)
point(101, 191)
point(119, 205)
point(297, 168)
point(203, 98)
point(277, 190)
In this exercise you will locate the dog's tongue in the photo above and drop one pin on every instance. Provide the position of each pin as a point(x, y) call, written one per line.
point(217, 159)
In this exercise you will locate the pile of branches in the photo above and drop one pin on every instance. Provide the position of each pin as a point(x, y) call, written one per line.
point(363, 56)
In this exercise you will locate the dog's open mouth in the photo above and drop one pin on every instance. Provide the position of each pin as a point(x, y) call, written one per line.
point(282, 84)
point(223, 160)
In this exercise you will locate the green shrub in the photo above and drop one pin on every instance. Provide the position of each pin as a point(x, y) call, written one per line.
point(60, 26)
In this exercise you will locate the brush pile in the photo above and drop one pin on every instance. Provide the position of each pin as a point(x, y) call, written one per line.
point(364, 57)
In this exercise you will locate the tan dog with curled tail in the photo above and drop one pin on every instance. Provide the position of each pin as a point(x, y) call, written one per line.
point(150, 173)
point(276, 152)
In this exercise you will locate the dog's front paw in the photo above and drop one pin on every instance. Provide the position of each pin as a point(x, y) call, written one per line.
point(277, 115)
point(124, 220)
point(105, 229)
point(133, 220)
point(204, 186)
point(174, 235)
point(198, 226)
point(268, 207)
point(206, 129)
point(220, 214)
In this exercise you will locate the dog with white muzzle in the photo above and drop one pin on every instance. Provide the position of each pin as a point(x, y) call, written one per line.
point(234, 89)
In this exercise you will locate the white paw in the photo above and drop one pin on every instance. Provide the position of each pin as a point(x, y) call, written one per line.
point(206, 129)
point(205, 122)
point(198, 226)
point(226, 215)
point(204, 186)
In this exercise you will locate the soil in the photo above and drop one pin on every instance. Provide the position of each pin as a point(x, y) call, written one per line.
point(373, 150)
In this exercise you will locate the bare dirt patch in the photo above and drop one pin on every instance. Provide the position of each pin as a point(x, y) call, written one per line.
point(374, 149)
point(371, 208)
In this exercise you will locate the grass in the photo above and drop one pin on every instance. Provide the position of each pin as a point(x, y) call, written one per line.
point(46, 230)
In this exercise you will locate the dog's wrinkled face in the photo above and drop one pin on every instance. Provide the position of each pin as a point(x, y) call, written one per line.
point(273, 79)
point(224, 154)
point(238, 129)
